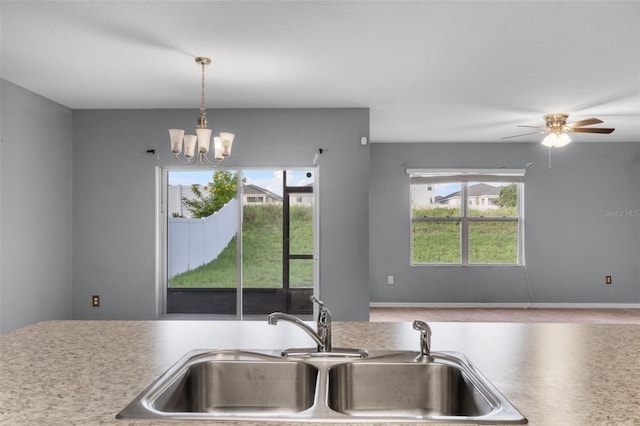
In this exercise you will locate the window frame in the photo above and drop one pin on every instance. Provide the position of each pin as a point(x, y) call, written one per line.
point(464, 177)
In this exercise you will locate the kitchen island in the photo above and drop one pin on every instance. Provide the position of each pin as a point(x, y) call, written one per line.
point(85, 372)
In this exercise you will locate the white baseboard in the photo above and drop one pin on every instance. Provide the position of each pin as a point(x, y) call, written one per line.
point(507, 305)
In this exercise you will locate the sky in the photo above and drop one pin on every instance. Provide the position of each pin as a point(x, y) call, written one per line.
point(268, 179)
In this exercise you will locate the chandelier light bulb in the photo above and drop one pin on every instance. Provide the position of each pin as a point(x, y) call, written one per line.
point(227, 143)
point(189, 145)
point(176, 136)
point(217, 148)
point(204, 140)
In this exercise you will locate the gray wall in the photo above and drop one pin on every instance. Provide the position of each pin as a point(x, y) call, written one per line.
point(572, 237)
point(115, 258)
point(35, 208)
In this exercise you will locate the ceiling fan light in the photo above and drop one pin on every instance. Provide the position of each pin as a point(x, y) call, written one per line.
point(550, 140)
point(563, 140)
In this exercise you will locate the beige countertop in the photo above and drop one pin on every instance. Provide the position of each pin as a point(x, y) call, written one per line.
point(85, 372)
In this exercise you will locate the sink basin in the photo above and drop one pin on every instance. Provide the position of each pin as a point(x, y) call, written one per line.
point(240, 386)
point(387, 386)
point(399, 387)
point(394, 389)
point(224, 383)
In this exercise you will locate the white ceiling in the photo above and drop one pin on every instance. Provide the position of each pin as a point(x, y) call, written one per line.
point(430, 71)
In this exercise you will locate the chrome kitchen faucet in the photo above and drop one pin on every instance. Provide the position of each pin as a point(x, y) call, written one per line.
point(322, 337)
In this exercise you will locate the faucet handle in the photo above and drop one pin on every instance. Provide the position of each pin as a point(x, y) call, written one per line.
point(324, 311)
point(421, 326)
point(318, 301)
point(323, 324)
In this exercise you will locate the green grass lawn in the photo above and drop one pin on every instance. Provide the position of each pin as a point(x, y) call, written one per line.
point(489, 242)
point(436, 242)
point(433, 242)
point(493, 242)
point(262, 252)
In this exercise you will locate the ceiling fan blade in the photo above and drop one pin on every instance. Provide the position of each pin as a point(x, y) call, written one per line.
point(586, 122)
point(524, 134)
point(533, 127)
point(594, 130)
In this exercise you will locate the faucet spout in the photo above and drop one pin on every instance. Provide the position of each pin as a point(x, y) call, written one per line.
point(425, 340)
point(322, 337)
point(274, 317)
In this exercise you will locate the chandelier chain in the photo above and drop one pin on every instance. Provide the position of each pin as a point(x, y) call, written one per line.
point(203, 110)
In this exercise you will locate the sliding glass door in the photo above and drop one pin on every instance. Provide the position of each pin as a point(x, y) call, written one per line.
point(240, 242)
point(202, 232)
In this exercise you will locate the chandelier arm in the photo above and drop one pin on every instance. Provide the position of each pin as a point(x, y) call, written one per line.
point(205, 160)
point(186, 160)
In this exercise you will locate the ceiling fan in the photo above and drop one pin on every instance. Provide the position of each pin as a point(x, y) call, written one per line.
point(557, 129)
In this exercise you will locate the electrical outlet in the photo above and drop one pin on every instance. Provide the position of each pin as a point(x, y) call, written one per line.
point(607, 279)
point(95, 301)
point(390, 279)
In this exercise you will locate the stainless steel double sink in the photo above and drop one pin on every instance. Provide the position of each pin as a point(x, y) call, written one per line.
point(386, 386)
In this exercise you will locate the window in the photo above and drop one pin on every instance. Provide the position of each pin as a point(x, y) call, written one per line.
point(451, 226)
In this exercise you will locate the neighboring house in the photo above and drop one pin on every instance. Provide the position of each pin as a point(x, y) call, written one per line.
point(423, 196)
point(481, 196)
point(303, 199)
point(253, 194)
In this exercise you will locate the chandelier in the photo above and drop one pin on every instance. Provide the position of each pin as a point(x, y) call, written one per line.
point(221, 144)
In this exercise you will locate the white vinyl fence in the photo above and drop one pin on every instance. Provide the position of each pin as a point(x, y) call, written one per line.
point(196, 242)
